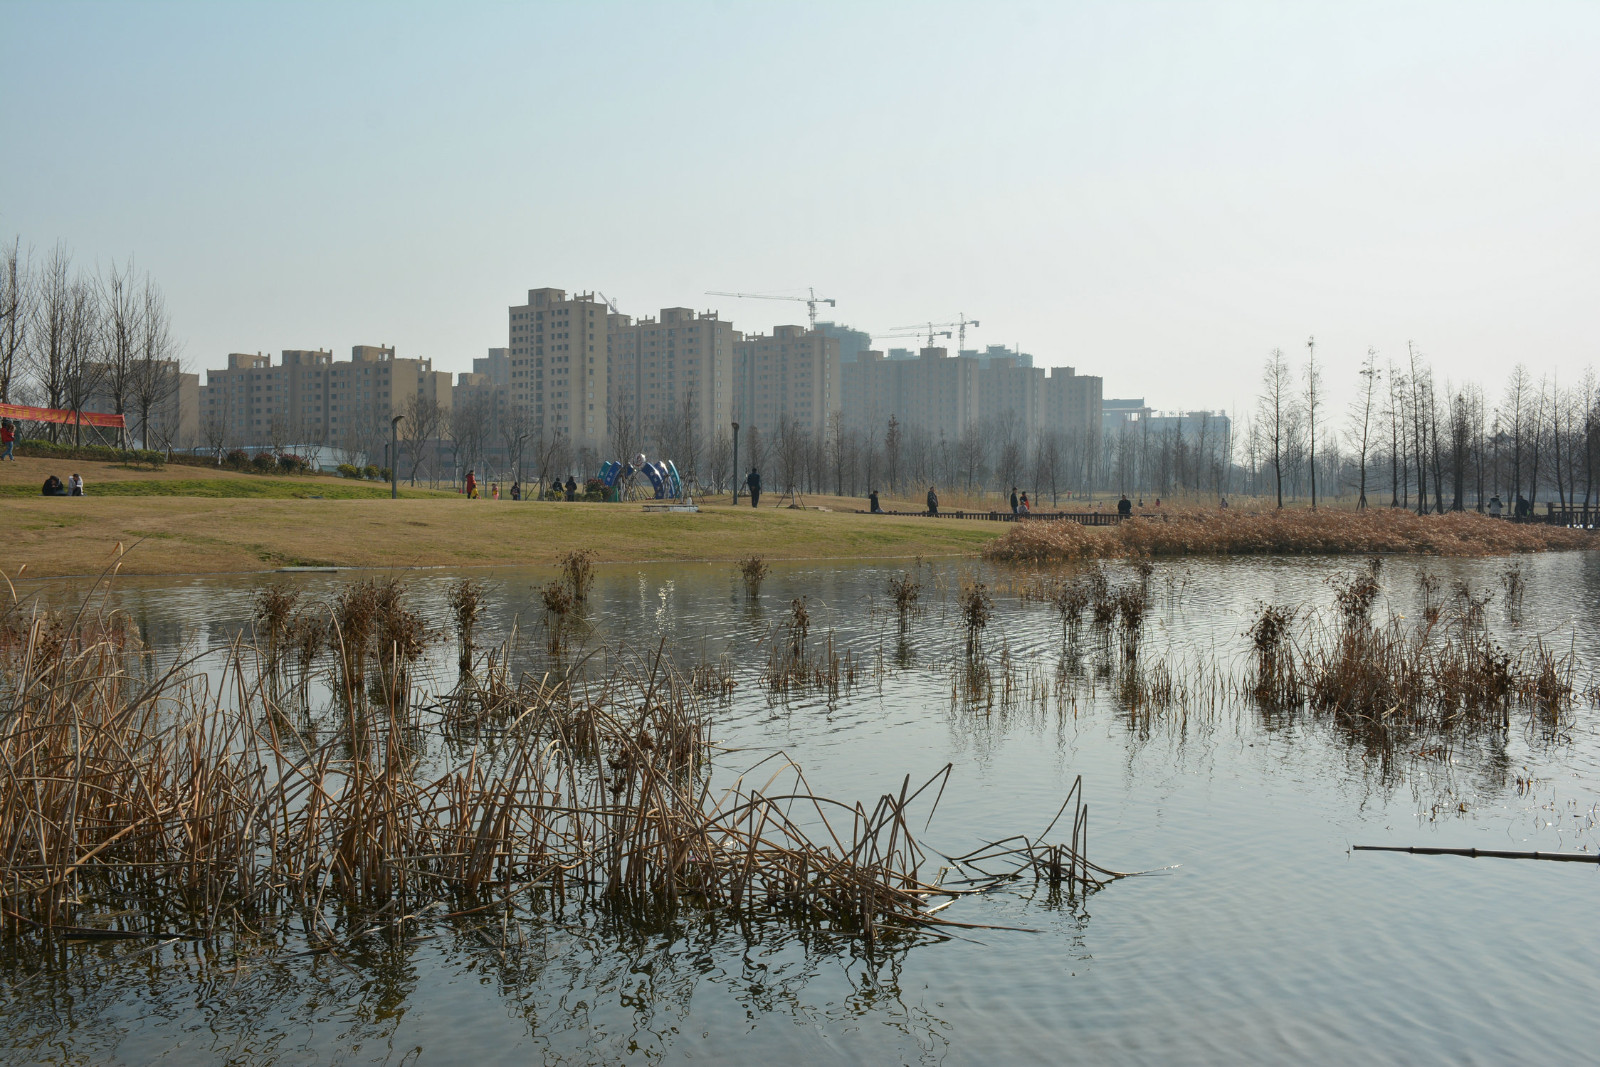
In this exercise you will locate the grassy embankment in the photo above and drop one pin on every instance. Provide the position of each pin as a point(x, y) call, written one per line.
point(245, 522)
point(1213, 532)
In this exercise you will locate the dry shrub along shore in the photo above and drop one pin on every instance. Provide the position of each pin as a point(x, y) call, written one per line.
point(203, 805)
point(1215, 532)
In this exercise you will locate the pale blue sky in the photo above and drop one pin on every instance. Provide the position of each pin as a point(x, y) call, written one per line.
point(1157, 193)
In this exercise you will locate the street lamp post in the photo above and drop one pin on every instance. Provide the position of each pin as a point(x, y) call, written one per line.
point(736, 464)
point(394, 457)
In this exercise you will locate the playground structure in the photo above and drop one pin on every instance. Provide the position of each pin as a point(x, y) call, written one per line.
point(642, 480)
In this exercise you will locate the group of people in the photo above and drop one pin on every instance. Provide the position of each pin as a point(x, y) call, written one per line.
point(1521, 509)
point(53, 486)
point(515, 492)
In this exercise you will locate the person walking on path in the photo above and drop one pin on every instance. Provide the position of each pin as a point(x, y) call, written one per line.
point(752, 482)
point(572, 488)
point(472, 485)
point(1013, 500)
point(876, 509)
point(8, 438)
point(1124, 506)
point(933, 503)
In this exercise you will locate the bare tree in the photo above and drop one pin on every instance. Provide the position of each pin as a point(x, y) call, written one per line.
point(1275, 405)
point(419, 429)
point(720, 458)
point(891, 452)
point(515, 427)
point(123, 310)
point(1313, 389)
point(153, 384)
point(84, 370)
point(1361, 419)
point(16, 313)
point(623, 426)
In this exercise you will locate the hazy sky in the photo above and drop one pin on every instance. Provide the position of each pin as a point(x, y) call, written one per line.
point(1156, 193)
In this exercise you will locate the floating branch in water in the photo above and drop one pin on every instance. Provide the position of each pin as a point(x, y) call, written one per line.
point(1483, 853)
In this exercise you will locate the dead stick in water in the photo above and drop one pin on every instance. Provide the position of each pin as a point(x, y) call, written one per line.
point(1491, 853)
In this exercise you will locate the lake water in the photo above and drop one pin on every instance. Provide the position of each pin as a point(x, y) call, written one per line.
point(1264, 940)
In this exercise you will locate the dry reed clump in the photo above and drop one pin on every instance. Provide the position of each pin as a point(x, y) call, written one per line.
point(977, 609)
point(793, 665)
point(904, 591)
point(577, 567)
point(753, 568)
point(1391, 684)
point(466, 604)
point(192, 804)
point(1289, 532)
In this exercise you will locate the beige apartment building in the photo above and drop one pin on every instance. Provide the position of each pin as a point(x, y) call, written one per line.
point(308, 398)
point(793, 373)
point(558, 366)
point(670, 376)
point(949, 395)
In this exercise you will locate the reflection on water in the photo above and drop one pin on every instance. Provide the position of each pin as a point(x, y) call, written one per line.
point(1267, 940)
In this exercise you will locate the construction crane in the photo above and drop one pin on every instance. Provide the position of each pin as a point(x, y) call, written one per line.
point(962, 322)
point(610, 303)
point(917, 334)
point(810, 302)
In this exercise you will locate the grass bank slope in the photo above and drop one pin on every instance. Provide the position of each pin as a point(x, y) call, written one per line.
point(179, 535)
point(24, 477)
point(1212, 532)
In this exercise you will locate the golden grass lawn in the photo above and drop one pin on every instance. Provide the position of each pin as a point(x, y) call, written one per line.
point(179, 535)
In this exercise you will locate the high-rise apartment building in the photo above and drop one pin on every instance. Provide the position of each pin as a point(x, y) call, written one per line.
point(670, 378)
point(949, 395)
point(558, 366)
point(496, 366)
point(852, 342)
point(308, 398)
point(793, 374)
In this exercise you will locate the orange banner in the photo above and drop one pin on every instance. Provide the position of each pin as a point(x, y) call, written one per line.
point(83, 418)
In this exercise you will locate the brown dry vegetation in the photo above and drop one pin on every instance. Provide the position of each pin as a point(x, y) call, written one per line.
point(205, 806)
point(1291, 532)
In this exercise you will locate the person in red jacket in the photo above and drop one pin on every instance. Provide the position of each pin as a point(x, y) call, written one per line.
point(8, 439)
point(472, 486)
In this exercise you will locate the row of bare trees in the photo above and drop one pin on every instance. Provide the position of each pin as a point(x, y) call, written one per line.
point(88, 341)
point(1440, 446)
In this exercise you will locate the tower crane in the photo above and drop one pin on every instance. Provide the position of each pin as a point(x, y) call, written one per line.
point(917, 334)
point(810, 301)
point(961, 321)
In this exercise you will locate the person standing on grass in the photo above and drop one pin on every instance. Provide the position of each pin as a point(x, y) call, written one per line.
point(752, 482)
point(1013, 500)
point(873, 496)
point(933, 503)
point(516, 490)
point(572, 488)
point(8, 438)
point(494, 490)
point(1125, 506)
point(472, 485)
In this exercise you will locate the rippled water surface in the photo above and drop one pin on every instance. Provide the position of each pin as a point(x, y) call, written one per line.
point(1266, 941)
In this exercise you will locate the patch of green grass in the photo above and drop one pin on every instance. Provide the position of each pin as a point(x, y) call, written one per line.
point(252, 488)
